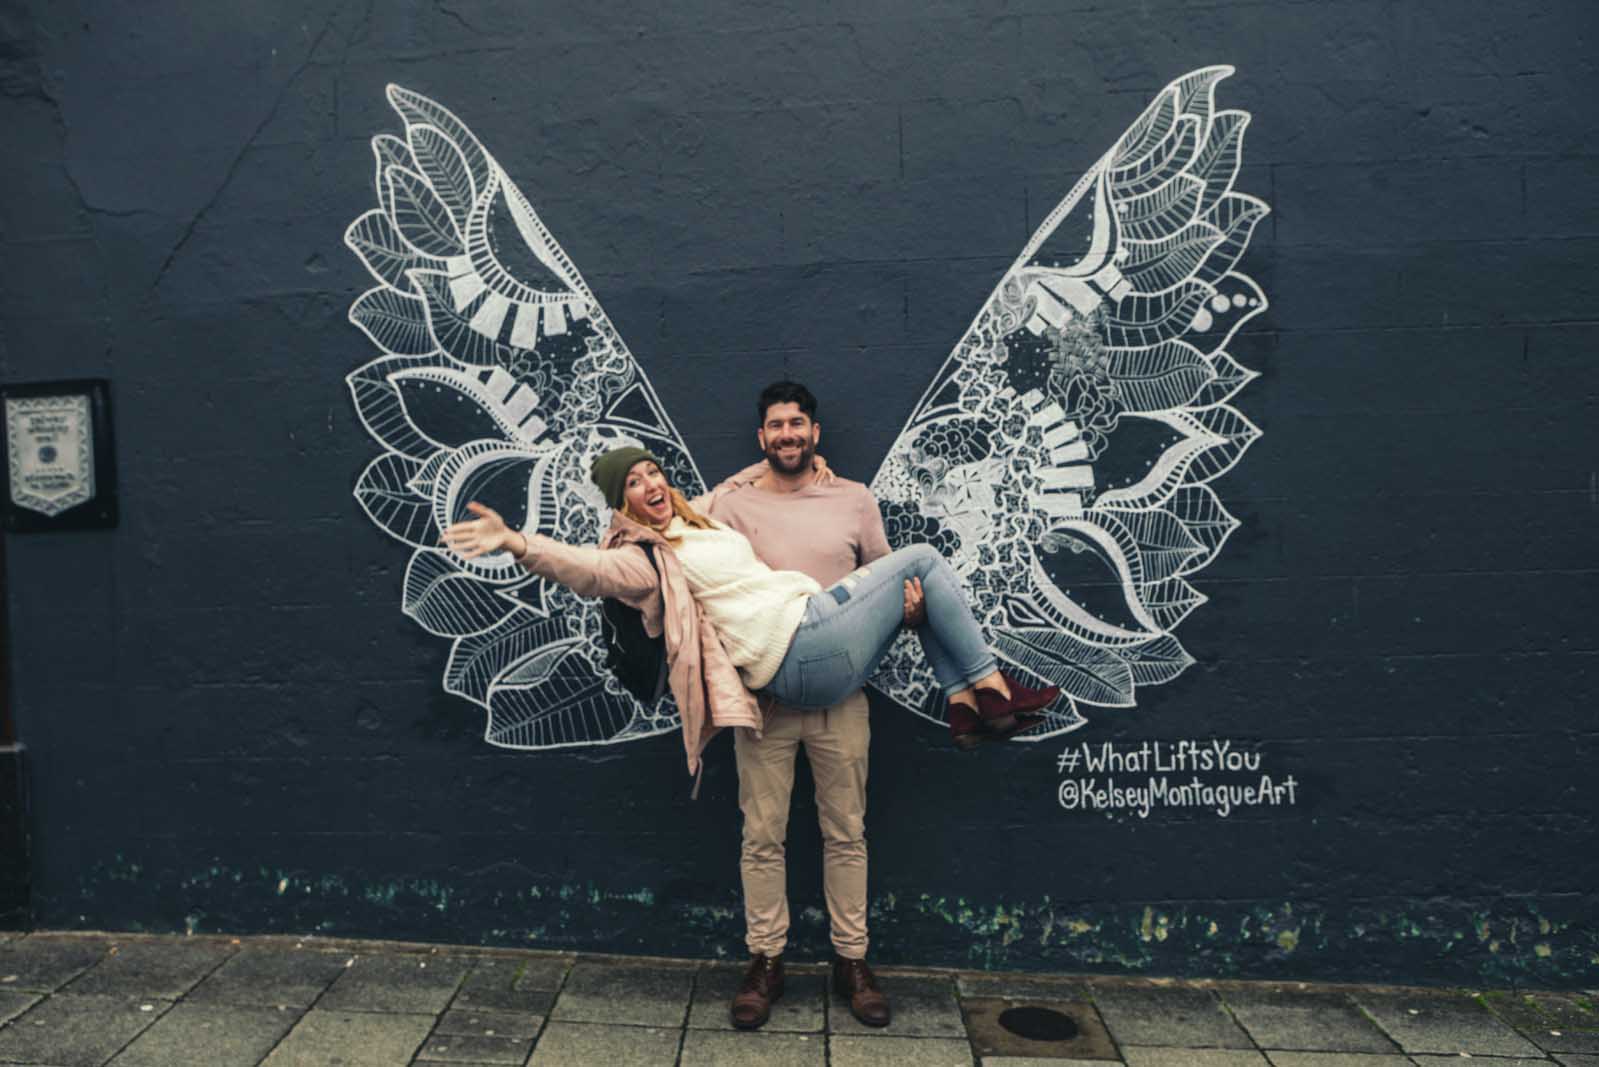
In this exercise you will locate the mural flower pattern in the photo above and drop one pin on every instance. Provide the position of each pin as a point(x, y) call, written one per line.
point(500, 379)
point(1102, 348)
point(1069, 442)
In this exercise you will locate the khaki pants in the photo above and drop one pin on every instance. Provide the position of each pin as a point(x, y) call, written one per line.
point(835, 740)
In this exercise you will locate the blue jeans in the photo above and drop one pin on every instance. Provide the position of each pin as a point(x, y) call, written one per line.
point(848, 628)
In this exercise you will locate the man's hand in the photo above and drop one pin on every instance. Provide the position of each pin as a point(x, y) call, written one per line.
point(915, 603)
point(760, 474)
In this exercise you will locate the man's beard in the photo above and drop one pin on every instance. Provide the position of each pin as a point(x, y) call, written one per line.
point(799, 465)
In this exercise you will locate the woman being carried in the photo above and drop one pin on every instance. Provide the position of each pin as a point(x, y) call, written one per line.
point(732, 624)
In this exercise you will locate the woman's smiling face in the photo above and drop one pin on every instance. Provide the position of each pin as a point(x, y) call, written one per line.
point(647, 494)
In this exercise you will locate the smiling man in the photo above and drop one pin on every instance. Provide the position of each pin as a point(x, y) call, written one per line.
point(825, 531)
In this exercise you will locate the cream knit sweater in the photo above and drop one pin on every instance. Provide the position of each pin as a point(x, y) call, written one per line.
point(755, 609)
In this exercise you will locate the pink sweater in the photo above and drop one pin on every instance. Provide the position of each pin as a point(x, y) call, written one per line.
point(825, 530)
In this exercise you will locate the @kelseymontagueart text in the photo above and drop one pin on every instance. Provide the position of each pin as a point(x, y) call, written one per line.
point(1210, 775)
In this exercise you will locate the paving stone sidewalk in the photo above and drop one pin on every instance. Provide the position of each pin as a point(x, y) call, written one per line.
point(88, 1000)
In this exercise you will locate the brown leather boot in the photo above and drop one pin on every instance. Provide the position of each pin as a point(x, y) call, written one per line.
point(762, 987)
point(854, 981)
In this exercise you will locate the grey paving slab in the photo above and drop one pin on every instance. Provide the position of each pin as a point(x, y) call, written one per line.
point(1022, 987)
point(545, 972)
point(588, 1044)
point(1044, 1061)
point(167, 969)
point(494, 972)
point(515, 984)
point(43, 964)
point(526, 1001)
point(351, 1039)
point(887, 1051)
point(1167, 1015)
point(713, 1048)
point(474, 1023)
point(464, 1048)
point(1555, 1022)
point(802, 1008)
point(1310, 1021)
point(396, 983)
point(1339, 1059)
point(15, 1002)
point(1449, 1023)
point(519, 984)
point(1492, 1061)
point(641, 994)
point(1578, 1060)
point(213, 1034)
point(923, 1007)
point(77, 1031)
point(1137, 1056)
point(1554, 1040)
point(269, 977)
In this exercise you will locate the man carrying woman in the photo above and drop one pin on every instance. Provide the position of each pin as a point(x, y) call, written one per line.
point(735, 627)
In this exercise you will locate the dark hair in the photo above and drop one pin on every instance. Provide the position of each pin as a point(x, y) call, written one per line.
point(785, 393)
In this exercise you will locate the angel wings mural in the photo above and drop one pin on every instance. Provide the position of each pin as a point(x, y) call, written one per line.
point(1061, 459)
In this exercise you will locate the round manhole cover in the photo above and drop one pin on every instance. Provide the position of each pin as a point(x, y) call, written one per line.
point(1038, 1024)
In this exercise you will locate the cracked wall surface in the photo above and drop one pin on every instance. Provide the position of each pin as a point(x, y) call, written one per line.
point(231, 728)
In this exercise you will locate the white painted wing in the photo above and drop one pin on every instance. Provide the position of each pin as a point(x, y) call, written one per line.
point(500, 379)
point(1061, 458)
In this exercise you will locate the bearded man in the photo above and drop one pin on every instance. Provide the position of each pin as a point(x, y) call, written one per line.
point(825, 529)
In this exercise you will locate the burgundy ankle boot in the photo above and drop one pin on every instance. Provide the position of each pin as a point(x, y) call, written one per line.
point(965, 728)
point(1004, 716)
point(968, 730)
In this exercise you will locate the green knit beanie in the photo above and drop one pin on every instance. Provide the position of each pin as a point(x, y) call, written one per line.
point(609, 471)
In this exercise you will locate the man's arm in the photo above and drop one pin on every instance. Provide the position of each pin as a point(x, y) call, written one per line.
point(874, 545)
point(873, 539)
point(707, 501)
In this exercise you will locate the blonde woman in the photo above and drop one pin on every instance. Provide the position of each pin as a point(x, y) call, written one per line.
point(733, 625)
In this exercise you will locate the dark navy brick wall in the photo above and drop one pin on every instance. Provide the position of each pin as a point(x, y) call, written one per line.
point(231, 726)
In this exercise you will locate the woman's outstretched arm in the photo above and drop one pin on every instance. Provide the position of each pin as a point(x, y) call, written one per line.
point(624, 573)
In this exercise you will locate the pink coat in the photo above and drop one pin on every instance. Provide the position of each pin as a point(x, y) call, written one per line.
point(709, 691)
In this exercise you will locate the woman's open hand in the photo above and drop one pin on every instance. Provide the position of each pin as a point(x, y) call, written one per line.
point(480, 536)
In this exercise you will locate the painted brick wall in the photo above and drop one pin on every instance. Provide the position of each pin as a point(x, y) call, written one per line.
point(232, 726)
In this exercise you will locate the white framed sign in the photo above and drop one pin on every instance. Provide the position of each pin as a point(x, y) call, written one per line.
point(58, 456)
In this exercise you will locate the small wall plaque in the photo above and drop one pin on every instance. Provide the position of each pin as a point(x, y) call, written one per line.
point(59, 471)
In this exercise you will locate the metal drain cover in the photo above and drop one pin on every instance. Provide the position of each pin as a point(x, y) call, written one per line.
point(1038, 1024)
point(1045, 1029)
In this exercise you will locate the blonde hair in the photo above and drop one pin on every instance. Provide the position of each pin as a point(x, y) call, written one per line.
point(680, 509)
